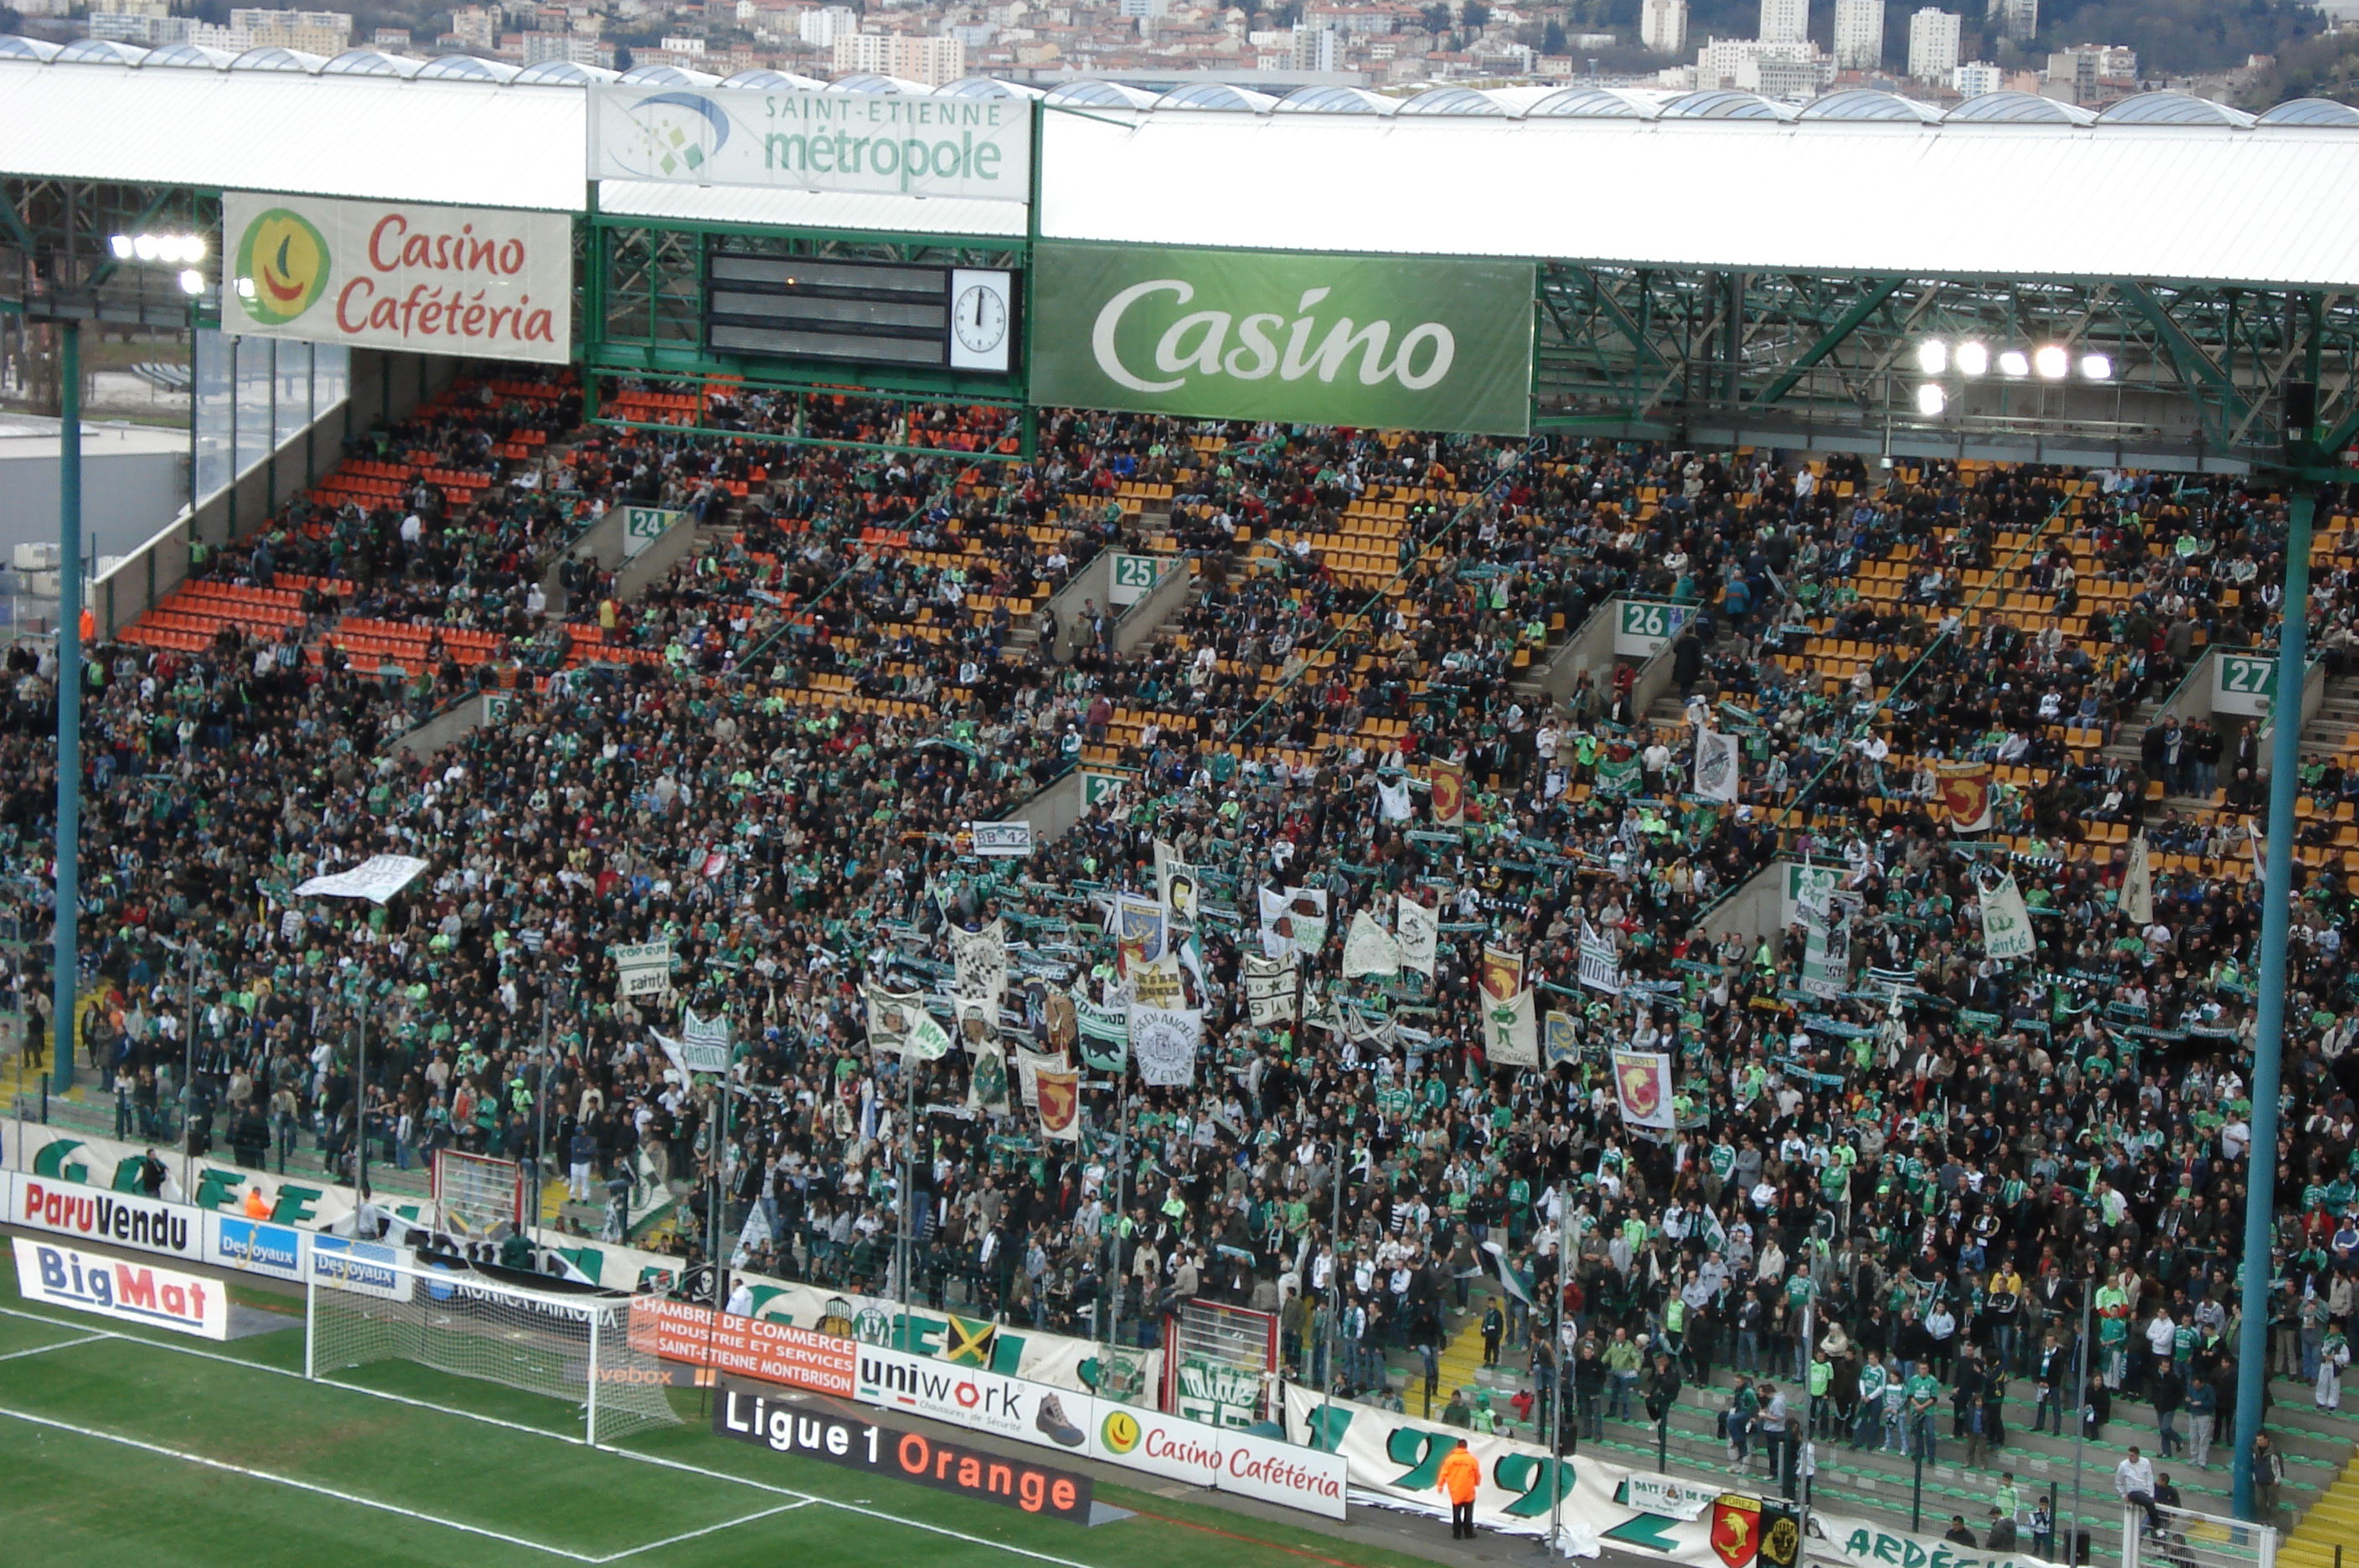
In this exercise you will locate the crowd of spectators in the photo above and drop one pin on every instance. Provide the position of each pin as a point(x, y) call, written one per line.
point(1894, 1199)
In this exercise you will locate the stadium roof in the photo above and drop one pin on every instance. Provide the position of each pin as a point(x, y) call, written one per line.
point(2162, 185)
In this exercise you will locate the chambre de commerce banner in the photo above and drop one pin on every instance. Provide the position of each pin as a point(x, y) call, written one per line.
point(89, 1188)
point(398, 275)
point(1382, 342)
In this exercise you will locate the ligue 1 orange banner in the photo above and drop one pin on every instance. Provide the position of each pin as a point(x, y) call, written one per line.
point(751, 1348)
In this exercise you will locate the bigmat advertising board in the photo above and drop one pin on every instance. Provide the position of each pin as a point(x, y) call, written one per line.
point(398, 275)
point(884, 143)
point(1323, 339)
point(116, 1287)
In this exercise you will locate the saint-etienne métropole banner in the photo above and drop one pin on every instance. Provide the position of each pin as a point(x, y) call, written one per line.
point(398, 275)
point(882, 143)
point(1423, 345)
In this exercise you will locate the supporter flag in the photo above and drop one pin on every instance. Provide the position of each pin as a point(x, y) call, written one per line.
point(1369, 949)
point(980, 963)
point(975, 1023)
point(1501, 975)
point(967, 1342)
point(1814, 890)
point(1519, 1281)
point(1104, 1034)
point(1157, 984)
point(2137, 884)
point(1560, 1043)
point(1175, 886)
point(1826, 957)
point(927, 1040)
point(1420, 935)
point(1307, 909)
point(1392, 799)
point(753, 1233)
point(1270, 991)
point(1029, 1065)
point(1619, 775)
point(1601, 966)
point(1060, 1027)
point(1138, 925)
point(986, 1084)
point(1715, 765)
point(1735, 1529)
point(1057, 1095)
point(1276, 923)
point(1642, 1082)
point(1511, 1031)
point(2007, 927)
point(1966, 795)
point(1449, 794)
point(1163, 1043)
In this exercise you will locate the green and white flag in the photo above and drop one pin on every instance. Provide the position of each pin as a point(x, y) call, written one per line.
point(2006, 928)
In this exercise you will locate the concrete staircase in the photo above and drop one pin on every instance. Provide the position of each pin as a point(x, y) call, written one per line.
point(2330, 1529)
point(2331, 731)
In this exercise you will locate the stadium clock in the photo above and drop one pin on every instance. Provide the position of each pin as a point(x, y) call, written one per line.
point(981, 313)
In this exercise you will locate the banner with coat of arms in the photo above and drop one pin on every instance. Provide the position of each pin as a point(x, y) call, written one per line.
point(1965, 789)
point(1642, 1083)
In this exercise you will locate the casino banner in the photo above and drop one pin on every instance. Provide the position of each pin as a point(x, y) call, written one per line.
point(398, 275)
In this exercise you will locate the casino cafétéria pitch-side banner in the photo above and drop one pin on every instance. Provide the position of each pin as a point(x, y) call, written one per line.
point(1380, 341)
point(398, 275)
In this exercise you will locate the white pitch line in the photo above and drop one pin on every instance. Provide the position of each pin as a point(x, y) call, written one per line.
point(622, 1453)
point(61, 1344)
point(311, 1487)
point(708, 1530)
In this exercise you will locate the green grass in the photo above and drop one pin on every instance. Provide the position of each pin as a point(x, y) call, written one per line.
point(129, 1485)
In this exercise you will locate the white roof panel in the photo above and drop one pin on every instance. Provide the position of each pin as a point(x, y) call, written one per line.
point(2212, 203)
point(470, 143)
point(811, 209)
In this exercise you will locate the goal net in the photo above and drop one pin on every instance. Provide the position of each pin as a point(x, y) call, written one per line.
point(1219, 1362)
point(478, 1195)
point(374, 1303)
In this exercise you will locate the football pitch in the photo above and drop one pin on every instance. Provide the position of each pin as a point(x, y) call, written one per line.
point(120, 1445)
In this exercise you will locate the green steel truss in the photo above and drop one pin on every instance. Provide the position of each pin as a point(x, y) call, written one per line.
point(1766, 358)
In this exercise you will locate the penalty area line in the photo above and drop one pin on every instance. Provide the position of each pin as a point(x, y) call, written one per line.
point(311, 1487)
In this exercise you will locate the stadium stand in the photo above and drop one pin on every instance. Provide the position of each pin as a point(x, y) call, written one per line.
point(769, 756)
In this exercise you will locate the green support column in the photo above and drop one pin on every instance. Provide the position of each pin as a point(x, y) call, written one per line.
point(65, 957)
point(2268, 1035)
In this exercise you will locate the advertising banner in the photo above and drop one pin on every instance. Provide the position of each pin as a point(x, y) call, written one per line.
point(751, 1348)
point(1324, 339)
point(796, 139)
point(147, 1224)
point(973, 1397)
point(398, 275)
point(256, 1246)
point(131, 1292)
point(363, 1267)
point(816, 1431)
point(1229, 1461)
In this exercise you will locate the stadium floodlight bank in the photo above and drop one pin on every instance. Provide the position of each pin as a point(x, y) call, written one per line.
point(575, 1348)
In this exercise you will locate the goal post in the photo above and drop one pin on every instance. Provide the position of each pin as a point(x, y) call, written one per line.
point(476, 1195)
point(367, 1303)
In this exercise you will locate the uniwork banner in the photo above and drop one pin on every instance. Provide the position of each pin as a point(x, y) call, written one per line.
point(1323, 340)
point(797, 139)
point(398, 275)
